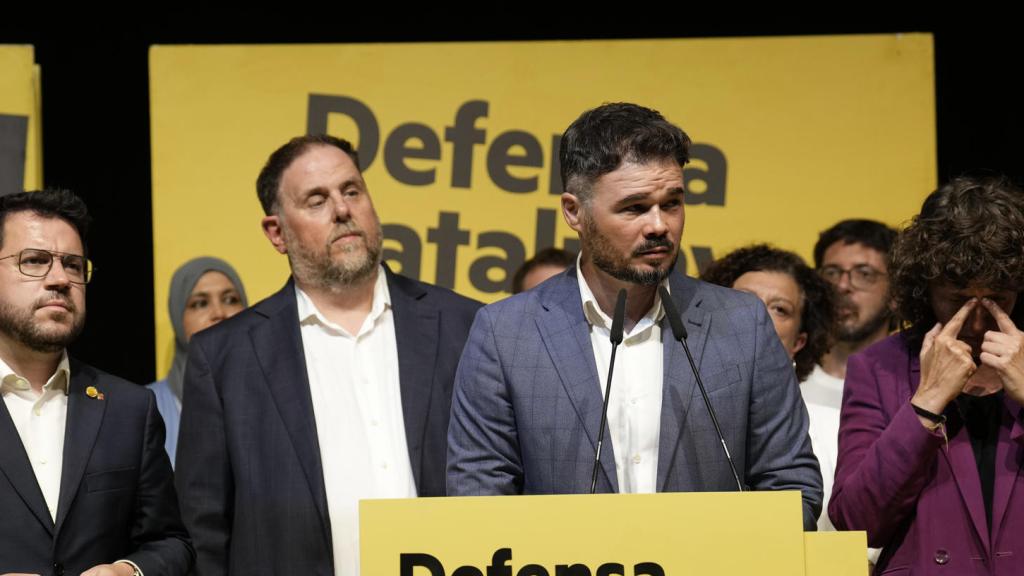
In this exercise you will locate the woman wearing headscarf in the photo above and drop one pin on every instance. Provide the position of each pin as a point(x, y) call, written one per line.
point(203, 292)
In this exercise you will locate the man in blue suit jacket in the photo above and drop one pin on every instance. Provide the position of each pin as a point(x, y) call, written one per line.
point(529, 389)
point(336, 388)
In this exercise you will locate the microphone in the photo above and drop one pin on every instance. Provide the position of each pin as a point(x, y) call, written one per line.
point(679, 331)
point(616, 338)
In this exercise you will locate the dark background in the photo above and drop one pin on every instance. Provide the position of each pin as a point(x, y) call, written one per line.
point(96, 122)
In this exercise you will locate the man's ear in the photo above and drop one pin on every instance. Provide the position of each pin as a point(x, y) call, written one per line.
point(272, 230)
point(572, 211)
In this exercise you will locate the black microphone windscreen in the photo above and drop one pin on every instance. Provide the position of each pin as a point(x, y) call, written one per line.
point(619, 318)
point(672, 313)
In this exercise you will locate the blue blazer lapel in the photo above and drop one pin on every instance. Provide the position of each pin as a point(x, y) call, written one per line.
point(278, 346)
point(85, 415)
point(678, 384)
point(417, 332)
point(15, 465)
point(566, 335)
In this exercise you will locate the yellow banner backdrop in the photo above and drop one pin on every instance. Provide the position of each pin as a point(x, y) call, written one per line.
point(21, 143)
point(459, 143)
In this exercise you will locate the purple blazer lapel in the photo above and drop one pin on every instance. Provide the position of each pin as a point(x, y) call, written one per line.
point(964, 469)
point(1009, 457)
point(959, 456)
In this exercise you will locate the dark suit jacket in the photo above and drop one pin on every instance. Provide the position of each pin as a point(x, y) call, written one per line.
point(248, 464)
point(917, 497)
point(528, 400)
point(117, 497)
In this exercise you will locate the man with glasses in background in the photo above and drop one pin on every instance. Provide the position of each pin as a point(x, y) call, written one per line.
point(850, 255)
point(85, 484)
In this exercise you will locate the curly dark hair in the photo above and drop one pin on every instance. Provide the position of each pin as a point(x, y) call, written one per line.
point(818, 317)
point(969, 232)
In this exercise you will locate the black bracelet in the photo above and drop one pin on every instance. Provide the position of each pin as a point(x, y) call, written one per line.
point(935, 418)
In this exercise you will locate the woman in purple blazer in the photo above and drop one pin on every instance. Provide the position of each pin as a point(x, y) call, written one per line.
point(931, 439)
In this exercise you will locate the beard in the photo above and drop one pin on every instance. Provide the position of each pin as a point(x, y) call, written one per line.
point(356, 262)
point(861, 331)
point(21, 325)
point(605, 258)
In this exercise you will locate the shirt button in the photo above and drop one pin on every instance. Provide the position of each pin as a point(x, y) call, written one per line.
point(373, 422)
point(384, 465)
point(636, 459)
point(633, 401)
point(941, 556)
point(42, 461)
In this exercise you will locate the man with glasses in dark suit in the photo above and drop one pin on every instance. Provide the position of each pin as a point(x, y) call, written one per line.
point(85, 485)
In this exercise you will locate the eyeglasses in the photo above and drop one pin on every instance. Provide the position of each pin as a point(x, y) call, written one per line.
point(862, 277)
point(37, 263)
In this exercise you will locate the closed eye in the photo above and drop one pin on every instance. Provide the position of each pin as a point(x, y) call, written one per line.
point(37, 260)
point(73, 264)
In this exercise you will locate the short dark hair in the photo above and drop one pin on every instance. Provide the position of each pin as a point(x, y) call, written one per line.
point(546, 257)
point(870, 233)
point(49, 203)
point(969, 232)
point(269, 181)
point(600, 140)
point(818, 317)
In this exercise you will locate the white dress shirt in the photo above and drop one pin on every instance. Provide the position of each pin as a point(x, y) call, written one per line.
point(823, 396)
point(40, 419)
point(354, 385)
point(634, 410)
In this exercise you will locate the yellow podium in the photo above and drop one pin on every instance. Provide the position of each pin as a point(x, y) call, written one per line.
point(602, 535)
